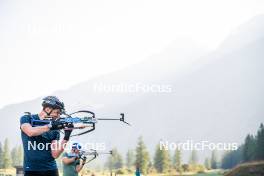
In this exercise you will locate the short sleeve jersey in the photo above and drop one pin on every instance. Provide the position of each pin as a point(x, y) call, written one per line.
point(37, 149)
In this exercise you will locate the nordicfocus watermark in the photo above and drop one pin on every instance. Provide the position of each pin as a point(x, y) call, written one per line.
point(100, 146)
point(199, 146)
point(132, 88)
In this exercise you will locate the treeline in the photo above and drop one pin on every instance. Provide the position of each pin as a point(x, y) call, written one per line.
point(162, 162)
point(10, 157)
point(251, 150)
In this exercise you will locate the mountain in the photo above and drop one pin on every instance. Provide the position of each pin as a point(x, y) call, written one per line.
point(216, 98)
point(246, 33)
point(85, 96)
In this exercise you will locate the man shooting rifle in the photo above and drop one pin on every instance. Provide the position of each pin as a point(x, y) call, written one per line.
point(39, 161)
point(72, 161)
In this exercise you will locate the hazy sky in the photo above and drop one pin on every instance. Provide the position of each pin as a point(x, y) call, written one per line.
point(46, 45)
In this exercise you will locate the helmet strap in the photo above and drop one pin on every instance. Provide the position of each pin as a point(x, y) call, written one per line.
point(48, 113)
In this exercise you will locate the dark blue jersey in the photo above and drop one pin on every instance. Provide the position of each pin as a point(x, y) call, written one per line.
point(37, 149)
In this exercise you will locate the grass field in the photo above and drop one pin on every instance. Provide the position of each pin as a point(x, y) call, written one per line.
point(11, 172)
point(186, 174)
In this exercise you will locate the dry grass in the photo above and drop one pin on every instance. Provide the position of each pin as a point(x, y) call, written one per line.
point(245, 166)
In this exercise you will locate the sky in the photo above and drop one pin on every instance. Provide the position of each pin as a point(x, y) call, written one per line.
point(51, 45)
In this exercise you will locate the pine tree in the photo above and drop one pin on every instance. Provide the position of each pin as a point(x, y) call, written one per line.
point(142, 156)
point(130, 158)
point(193, 158)
point(161, 159)
point(14, 156)
point(109, 163)
point(252, 149)
point(6, 155)
point(158, 160)
point(177, 160)
point(260, 143)
point(115, 160)
point(207, 163)
point(1, 156)
point(19, 155)
point(118, 161)
point(214, 160)
point(249, 148)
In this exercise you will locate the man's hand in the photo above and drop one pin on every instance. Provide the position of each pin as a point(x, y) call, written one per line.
point(68, 131)
point(67, 134)
point(56, 125)
point(84, 160)
point(80, 166)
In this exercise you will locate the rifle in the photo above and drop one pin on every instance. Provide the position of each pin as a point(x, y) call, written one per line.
point(71, 121)
point(84, 154)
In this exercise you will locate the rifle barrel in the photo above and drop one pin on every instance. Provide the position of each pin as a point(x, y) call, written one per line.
point(106, 119)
